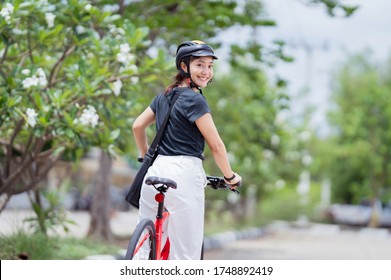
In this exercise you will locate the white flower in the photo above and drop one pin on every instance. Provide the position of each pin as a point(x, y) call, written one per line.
point(117, 32)
point(29, 82)
point(88, 117)
point(110, 8)
point(88, 7)
point(18, 31)
point(124, 48)
point(268, 154)
point(49, 17)
point(80, 29)
point(275, 140)
point(26, 72)
point(117, 85)
point(31, 117)
point(39, 79)
point(6, 12)
point(134, 80)
point(133, 67)
point(124, 54)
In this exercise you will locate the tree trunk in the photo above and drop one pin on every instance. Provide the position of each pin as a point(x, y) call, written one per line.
point(374, 220)
point(4, 198)
point(100, 205)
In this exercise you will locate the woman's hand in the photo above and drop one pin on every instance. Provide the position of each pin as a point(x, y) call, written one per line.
point(234, 181)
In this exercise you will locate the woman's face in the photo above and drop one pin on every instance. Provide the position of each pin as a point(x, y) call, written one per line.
point(201, 69)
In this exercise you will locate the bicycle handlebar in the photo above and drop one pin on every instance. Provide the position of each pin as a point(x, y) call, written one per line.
point(219, 183)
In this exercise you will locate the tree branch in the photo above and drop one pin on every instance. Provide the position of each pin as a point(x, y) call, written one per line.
point(4, 54)
point(53, 74)
point(39, 176)
point(29, 43)
point(10, 147)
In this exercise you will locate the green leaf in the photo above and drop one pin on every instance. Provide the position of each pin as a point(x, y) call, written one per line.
point(115, 134)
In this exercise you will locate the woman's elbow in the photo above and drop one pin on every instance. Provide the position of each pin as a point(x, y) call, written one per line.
point(217, 147)
point(137, 126)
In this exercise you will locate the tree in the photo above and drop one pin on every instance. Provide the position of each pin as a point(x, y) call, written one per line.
point(359, 158)
point(67, 83)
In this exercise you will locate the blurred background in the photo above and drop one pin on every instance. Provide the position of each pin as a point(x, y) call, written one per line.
point(300, 97)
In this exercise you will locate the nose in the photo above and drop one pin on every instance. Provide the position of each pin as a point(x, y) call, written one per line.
point(206, 70)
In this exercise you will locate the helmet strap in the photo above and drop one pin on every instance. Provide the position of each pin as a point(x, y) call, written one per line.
point(188, 79)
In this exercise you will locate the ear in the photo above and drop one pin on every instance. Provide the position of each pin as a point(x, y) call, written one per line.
point(184, 67)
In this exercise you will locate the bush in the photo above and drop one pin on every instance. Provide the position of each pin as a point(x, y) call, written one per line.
point(37, 246)
point(286, 204)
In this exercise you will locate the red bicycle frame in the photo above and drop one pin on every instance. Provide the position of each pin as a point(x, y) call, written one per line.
point(161, 217)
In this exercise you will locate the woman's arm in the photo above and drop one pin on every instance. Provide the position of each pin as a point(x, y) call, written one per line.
point(208, 129)
point(144, 120)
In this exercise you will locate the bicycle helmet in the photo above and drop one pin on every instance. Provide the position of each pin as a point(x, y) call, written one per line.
point(193, 48)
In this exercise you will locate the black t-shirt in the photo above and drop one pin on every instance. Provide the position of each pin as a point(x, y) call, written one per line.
point(181, 136)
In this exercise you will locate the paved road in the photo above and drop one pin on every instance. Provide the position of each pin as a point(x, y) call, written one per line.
point(310, 242)
point(280, 241)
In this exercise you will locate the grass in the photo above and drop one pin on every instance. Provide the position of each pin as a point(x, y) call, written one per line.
point(40, 247)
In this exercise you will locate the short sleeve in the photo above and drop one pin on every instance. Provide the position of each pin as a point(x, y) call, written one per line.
point(153, 104)
point(197, 107)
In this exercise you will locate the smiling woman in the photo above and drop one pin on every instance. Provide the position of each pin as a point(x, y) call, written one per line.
point(181, 149)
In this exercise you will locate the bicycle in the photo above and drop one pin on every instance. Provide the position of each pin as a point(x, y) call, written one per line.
point(146, 241)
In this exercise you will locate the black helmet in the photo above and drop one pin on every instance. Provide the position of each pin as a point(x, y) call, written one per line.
point(193, 48)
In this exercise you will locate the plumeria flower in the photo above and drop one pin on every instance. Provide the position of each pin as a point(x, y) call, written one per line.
point(117, 32)
point(80, 29)
point(88, 7)
point(38, 79)
point(31, 117)
point(26, 72)
point(124, 48)
point(110, 8)
point(6, 12)
point(124, 56)
point(117, 85)
point(41, 77)
point(134, 80)
point(49, 17)
point(88, 117)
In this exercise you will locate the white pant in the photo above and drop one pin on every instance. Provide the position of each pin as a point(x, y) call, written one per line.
point(186, 204)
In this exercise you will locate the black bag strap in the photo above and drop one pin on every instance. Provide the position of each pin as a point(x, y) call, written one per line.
point(155, 142)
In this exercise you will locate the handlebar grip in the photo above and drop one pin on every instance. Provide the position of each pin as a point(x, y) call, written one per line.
point(219, 183)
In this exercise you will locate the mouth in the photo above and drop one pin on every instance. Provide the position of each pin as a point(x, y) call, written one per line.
point(203, 79)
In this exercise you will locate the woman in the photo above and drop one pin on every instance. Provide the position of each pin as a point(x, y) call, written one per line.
point(181, 149)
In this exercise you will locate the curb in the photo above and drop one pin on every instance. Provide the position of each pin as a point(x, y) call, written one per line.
point(219, 240)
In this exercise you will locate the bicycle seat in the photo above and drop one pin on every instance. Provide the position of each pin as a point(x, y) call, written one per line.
point(152, 180)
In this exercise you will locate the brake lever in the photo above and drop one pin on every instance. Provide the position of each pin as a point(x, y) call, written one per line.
point(234, 190)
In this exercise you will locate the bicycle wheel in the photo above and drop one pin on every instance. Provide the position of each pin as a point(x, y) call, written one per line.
point(142, 245)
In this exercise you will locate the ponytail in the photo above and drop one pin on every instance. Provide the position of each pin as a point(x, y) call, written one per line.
point(181, 75)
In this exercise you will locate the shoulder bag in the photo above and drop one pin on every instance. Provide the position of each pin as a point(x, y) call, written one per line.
point(134, 192)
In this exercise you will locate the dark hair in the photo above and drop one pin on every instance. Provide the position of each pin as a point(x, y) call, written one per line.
point(179, 77)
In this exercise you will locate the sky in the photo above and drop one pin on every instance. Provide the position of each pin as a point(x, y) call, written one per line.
point(320, 43)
